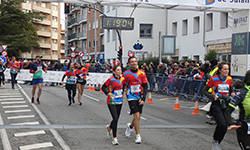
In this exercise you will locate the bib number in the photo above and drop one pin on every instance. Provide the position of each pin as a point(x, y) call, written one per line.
point(117, 93)
point(135, 88)
point(72, 79)
point(39, 68)
point(223, 88)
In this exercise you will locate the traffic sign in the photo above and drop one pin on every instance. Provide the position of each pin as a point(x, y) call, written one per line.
point(4, 47)
point(4, 53)
point(80, 53)
point(3, 59)
point(73, 48)
point(72, 54)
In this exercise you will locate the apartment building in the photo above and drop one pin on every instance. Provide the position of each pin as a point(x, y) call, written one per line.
point(48, 29)
point(62, 55)
point(81, 32)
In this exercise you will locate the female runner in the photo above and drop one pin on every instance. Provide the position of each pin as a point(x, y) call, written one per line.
point(114, 88)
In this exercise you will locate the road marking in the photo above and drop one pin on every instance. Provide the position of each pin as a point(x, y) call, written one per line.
point(17, 111)
point(10, 96)
point(4, 136)
point(7, 94)
point(15, 106)
point(36, 146)
point(20, 117)
point(12, 99)
point(16, 102)
point(29, 133)
point(45, 120)
point(26, 123)
point(141, 116)
point(91, 97)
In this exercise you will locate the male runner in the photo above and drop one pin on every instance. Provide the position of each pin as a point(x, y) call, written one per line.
point(36, 68)
point(137, 89)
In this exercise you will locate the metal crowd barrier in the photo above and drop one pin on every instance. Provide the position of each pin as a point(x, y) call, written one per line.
point(177, 86)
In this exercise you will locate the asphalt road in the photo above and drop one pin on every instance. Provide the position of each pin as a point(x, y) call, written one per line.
point(83, 127)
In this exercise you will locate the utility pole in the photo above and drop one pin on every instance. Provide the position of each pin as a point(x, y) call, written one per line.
point(95, 37)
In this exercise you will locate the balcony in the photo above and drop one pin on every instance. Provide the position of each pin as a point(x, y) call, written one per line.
point(101, 32)
point(42, 9)
point(54, 36)
point(26, 55)
point(45, 45)
point(102, 48)
point(54, 24)
point(72, 22)
point(72, 37)
point(82, 35)
point(62, 51)
point(46, 57)
point(44, 33)
point(54, 57)
point(26, 6)
point(83, 18)
point(44, 22)
point(54, 13)
point(62, 42)
point(55, 47)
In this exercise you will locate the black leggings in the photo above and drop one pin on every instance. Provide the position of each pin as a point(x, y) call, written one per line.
point(218, 114)
point(243, 137)
point(69, 88)
point(1, 77)
point(115, 111)
point(13, 79)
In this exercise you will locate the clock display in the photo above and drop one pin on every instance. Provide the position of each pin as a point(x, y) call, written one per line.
point(118, 23)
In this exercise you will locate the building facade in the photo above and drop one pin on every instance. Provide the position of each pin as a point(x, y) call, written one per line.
point(48, 29)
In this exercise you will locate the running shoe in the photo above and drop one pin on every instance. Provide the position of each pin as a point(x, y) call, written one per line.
point(69, 104)
point(38, 101)
point(109, 132)
point(32, 100)
point(80, 103)
point(128, 130)
point(138, 139)
point(115, 141)
point(215, 146)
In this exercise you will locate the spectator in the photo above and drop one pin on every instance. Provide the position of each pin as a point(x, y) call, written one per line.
point(97, 67)
point(127, 67)
point(58, 66)
point(159, 67)
point(103, 65)
point(65, 66)
point(145, 68)
point(199, 75)
point(150, 69)
point(153, 66)
point(162, 69)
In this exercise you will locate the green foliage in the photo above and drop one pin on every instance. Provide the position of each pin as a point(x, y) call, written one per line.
point(17, 29)
point(210, 55)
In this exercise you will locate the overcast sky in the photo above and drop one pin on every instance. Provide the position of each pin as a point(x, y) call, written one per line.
point(62, 16)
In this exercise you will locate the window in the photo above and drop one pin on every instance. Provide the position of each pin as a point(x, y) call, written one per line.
point(43, 28)
point(174, 28)
point(146, 30)
point(223, 20)
point(185, 58)
point(196, 24)
point(184, 27)
point(43, 5)
point(89, 25)
point(54, 41)
point(196, 58)
point(54, 7)
point(114, 35)
point(34, 2)
point(108, 35)
point(209, 25)
point(54, 18)
point(95, 24)
point(89, 43)
point(108, 9)
point(43, 40)
point(89, 9)
point(43, 51)
point(54, 30)
point(73, 30)
point(95, 43)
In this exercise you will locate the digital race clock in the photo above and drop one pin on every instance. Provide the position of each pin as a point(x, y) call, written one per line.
point(118, 23)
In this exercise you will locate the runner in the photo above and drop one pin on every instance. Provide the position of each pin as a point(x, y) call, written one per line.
point(113, 88)
point(137, 89)
point(14, 66)
point(70, 83)
point(221, 84)
point(81, 73)
point(242, 126)
point(2, 69)
point(37, 69)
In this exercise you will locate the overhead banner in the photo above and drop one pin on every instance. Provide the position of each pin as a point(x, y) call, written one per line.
point(56, 76)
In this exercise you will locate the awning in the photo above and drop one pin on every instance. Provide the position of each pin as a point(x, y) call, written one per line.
point(195, 5)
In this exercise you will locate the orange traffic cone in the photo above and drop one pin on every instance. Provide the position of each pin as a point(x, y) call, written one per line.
point(93, 87)
point(150, 99)
point(101, 89)
point(89, 88)
point(177, 105)
point(196, 109)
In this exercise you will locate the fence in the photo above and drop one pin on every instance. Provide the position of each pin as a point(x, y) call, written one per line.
point(178, 86)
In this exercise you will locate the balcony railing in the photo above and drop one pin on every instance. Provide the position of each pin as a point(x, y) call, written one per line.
point(83, 17)
point(72, 21)
point(44, 33)
point(42, 9)
point(45, 45)
point(83, 34)
point(73, 36)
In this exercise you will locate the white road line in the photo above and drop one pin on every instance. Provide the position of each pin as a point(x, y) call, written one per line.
point(45, 120)
point(11, 99)
point(91, 97)
point(4, 137)
point(26, 123)
point(10, 96)
point(7, 94)
point(20, 117)
point(16, 102)
point(17, 111)
point(36, 146)
point(29, 133)
point(15, 106)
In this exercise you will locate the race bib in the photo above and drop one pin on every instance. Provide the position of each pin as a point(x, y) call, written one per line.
point(72, 79)
point(39, 68)
point(13, 70)
point(135, 88)
point(117, 93)
point(223, 88)
point(248, 131)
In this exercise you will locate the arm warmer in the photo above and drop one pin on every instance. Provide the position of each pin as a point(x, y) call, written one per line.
point(63, 77)
point(145, 91)
point(105, 89)
point(209, 95)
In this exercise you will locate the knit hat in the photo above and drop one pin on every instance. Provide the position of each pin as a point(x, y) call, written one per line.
point(213, 62)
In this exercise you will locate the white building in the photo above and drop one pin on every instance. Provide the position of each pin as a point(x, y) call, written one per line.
point(147, 25)
point(193, 39)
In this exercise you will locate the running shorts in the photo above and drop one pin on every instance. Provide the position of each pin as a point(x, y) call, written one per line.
point(135, 107)
point(36, 81)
